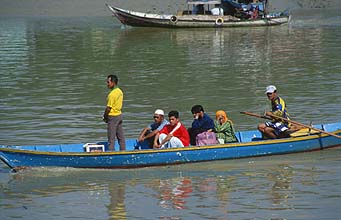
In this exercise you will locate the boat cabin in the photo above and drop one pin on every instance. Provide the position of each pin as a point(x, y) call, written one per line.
point(244, 9)
point(202, 7)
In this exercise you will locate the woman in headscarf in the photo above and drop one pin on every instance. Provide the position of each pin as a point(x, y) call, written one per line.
point(223, 127)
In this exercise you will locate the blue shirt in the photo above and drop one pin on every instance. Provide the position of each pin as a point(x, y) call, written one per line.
point(205, 123)
point(157, 126)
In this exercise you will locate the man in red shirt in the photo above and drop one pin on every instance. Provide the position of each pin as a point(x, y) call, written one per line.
point(173, 134)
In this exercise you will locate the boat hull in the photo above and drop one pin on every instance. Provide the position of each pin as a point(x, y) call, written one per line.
point(58, 155)
point(139, 19)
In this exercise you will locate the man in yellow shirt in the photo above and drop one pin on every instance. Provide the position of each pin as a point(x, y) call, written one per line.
point(113, 114)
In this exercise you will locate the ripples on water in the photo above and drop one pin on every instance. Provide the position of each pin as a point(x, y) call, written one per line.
point(53, 72)
point(52, 90)
point(281, 187)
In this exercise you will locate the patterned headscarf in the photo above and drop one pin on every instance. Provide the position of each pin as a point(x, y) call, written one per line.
point(223, 114)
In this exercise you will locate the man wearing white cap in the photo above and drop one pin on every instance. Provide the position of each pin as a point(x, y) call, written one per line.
point(276, 128)
point(149, 132)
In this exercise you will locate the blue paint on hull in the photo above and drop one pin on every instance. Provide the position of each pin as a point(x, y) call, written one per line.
point(72, 155)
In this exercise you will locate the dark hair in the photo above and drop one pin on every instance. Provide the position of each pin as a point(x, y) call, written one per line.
point(196, 109)
point(113, 78)
point(173, 113)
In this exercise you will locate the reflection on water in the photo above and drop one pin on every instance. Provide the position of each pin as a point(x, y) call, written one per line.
point(116, 208)
point(281, 189)
point(282, 186)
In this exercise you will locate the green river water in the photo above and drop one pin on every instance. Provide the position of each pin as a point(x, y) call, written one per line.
point(52, 90)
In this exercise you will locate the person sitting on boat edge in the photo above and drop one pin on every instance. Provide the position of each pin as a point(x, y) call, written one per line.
point(255, 13)
point(173, 134)
point(275, 128)
point(148, 133)
point(201, 123)
point(223, 127)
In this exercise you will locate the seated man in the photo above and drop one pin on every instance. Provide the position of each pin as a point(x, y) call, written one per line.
point(173, 134)
point(255, 13)
point(148, 133)
point(217, 10)
point(275, 128)
point(202, 122)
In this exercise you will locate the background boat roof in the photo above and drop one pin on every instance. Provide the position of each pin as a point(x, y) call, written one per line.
point(203, 2)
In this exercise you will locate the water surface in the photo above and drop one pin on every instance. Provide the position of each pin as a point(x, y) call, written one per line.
point(52, 90)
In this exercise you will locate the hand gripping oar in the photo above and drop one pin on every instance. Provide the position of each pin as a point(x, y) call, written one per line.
point(290, 121)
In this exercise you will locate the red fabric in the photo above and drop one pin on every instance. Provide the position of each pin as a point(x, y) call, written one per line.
point(178, 131)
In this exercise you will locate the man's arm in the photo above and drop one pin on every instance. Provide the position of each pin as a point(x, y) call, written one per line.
point(156, 145)
point(142, 135)
point(151, 134)
point(169, 136)
point(205, 123)
point(106, 114)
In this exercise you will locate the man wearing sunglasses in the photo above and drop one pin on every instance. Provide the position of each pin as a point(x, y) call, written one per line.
point(148, 133)
point(275, 128)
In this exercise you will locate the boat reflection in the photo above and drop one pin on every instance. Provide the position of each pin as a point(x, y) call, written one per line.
point(227, 188)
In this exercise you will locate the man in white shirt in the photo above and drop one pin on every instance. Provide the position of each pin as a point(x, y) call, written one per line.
point(217, 10)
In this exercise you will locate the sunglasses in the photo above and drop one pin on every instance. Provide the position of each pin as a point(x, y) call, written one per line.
point(269, 93)
point(156, 117)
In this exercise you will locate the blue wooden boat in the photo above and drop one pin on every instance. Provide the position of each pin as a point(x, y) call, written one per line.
point(250, 145)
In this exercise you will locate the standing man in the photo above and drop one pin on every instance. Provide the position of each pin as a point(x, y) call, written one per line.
point(173, 134)
point(201, 123)
point(113, 114)
point(275, 128)
point(149, 132)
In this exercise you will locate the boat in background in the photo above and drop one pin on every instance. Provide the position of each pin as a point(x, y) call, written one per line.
point(199, 15)
point(95, 155)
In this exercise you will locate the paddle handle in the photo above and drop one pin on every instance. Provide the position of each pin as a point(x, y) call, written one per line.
point(256, 115)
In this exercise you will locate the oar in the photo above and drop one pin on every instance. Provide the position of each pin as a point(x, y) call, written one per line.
point(256, 115)
point(290, 121)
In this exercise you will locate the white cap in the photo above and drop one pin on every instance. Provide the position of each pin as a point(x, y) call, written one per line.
point(270, 89)
point(159, 112)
